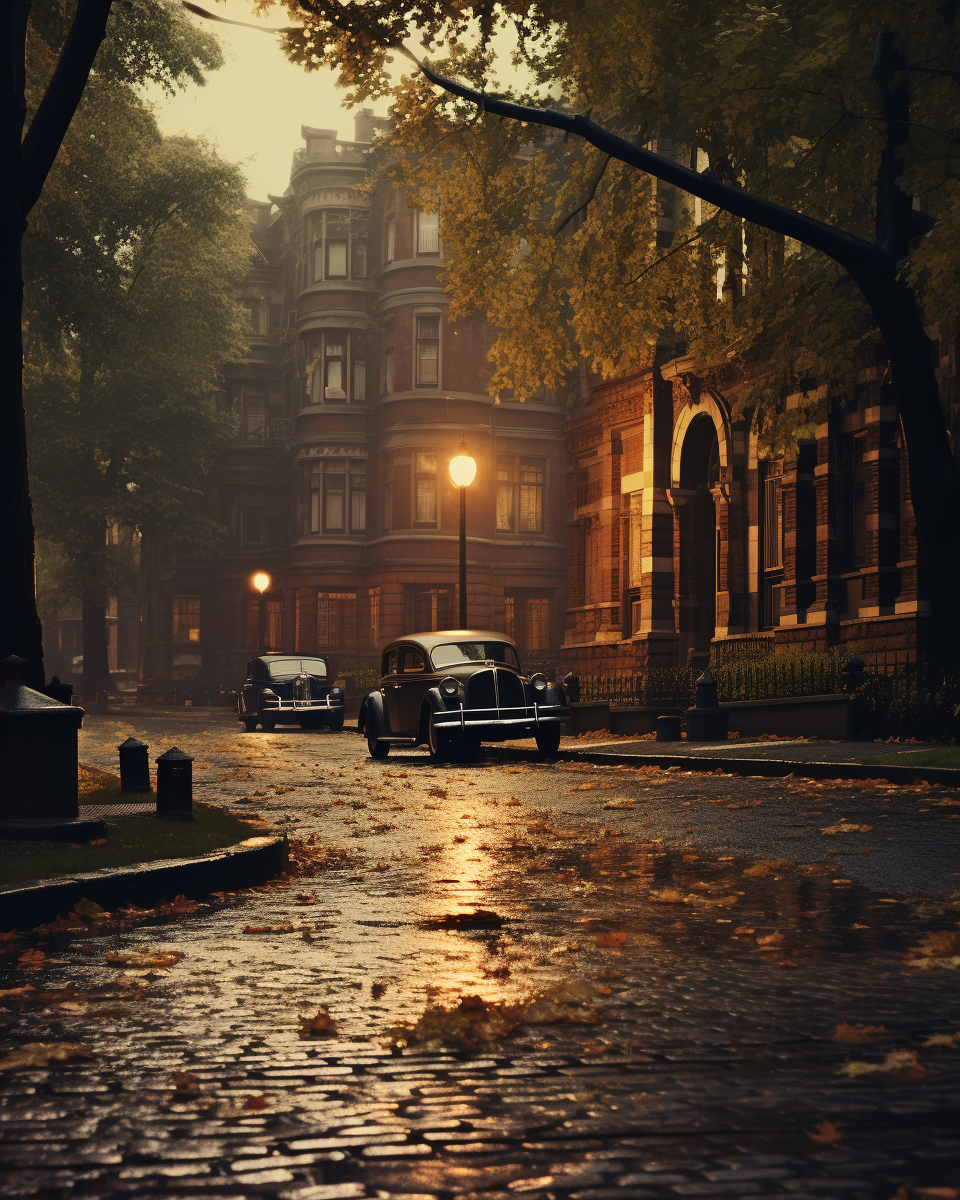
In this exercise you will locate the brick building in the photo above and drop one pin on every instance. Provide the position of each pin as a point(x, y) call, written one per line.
point(354, 395)
point(686, 543)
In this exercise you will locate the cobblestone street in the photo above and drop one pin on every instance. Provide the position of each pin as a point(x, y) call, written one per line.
point(509, 980)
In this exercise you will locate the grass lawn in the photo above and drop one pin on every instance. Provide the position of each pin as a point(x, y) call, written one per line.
point(134, 839)
point(941, 756)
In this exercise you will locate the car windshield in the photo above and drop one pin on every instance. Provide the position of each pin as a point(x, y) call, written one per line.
point(296, 666)
point(461, 652)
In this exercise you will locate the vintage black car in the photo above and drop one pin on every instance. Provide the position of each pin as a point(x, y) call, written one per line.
point(451, 690)
point(290, 689)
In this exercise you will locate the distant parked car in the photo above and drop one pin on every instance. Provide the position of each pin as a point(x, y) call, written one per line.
point(290, 689)
point(452, 690)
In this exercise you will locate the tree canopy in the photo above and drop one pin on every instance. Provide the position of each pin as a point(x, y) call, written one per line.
point(131, 261)
point(778, 100)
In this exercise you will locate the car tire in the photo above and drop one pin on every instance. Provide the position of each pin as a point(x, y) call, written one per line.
point(437, 743)
point(468, 748)
point(377, 747)
point(548, 739)
point(249, 723)
point(335, 724)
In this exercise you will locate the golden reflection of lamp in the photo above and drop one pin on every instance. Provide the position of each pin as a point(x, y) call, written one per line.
point(463, 471)
point(261, 581)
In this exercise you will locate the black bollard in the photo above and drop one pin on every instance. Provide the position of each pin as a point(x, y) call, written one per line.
point(134, 767)
point(668, 729)
point(175, 786)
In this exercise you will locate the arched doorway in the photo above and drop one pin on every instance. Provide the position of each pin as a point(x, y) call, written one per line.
point(697, 517)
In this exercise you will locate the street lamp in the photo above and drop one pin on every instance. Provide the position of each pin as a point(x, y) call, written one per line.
point(463, 471)
point(261, 581)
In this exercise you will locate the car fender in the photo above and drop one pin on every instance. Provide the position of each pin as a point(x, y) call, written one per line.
point(372, 720)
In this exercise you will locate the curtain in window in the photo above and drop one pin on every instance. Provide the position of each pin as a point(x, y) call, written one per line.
point(314, 501)
point(428, 351)
point(506, 515)
point(428, 240)
point(359, 380)
point(427, 488)
point(531, 498)
point(333, 502)
point(358, 509)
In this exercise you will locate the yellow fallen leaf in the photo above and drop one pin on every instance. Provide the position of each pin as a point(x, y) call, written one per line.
point(856, 1033)
point(625, 802)
point(771, 939)
point(42, 1054)
point(825, 1133)
point(950, 1040)
point(845, 827)
point(320, 1026)
point(147, 958)
point(611, 940)
point(900, 1066)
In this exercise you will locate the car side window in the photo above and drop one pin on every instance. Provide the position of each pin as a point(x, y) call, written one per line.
point(390, 662)
point(411, 660)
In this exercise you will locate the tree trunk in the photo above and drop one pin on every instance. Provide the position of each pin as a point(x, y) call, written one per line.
point(20, 630)
point(96, 663)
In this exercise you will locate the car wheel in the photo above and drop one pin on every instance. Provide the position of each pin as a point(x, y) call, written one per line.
point(468, 748)
point(548, 739)
point(437, 743)
point(249, 723)
point(378, 748)
point(335, 724)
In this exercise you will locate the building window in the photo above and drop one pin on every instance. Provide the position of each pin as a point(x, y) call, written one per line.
point(359, 260)
point(428, 351)
point(330, 234)
point(520, 494)
point(858, 513)
point(274, 629)
point(374, 596)
point(386, 495)
point(272, 625)
point(536, 631)
point(334, 375)
point(429, 609)
point(253, 416)
point(337, 622)
point(254, 521)
point(359, 380)
point(426, 489)
point(358, 500)
point(428, 233)
point(390, 240)
point(336, 258)
point(506, 617)
point(313, 519)
point(257, 316)
point(334, 488)
point(186, 620)
point(772, 518)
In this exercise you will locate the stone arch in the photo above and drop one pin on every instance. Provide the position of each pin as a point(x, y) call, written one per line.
point(699, 464)
point(708, 407)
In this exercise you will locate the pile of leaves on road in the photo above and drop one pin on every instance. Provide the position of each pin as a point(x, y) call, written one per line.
point(474, 1022)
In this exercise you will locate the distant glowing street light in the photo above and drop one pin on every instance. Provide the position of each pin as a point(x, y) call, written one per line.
point(463, 471)
point(261, 581)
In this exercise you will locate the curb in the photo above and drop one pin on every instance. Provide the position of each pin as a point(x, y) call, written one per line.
point(37, 901)
point(771, 768)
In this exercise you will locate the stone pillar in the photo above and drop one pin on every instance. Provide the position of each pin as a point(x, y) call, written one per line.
point(826, 607)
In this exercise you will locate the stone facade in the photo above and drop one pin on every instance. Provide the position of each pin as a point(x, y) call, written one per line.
point(354, 395)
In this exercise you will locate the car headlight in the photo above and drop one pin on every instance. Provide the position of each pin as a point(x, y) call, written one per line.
point(336, 692)
point(449, 686)
point(539, 682)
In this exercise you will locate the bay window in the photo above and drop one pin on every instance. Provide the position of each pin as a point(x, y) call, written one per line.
point(428, 233)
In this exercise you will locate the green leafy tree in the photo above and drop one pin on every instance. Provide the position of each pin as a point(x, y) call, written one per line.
point(821, 140)
point(48, 51)
point(132, 262)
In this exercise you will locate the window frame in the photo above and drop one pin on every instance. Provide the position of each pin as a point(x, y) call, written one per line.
point(432, 227)
point(424, 342)
point(514, 486)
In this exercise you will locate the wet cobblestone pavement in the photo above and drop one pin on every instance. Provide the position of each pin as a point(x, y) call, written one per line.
point(509, 980)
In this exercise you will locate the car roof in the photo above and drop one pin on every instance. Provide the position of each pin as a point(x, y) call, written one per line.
point(429, 641)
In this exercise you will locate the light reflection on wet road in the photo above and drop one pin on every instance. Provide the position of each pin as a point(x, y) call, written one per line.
point(707, 953)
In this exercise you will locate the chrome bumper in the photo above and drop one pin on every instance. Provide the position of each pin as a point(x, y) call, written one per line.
point(304, 705)
point(533, 714)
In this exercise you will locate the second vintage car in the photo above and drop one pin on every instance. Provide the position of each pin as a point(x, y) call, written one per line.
point(290, 689)
point(451, 690)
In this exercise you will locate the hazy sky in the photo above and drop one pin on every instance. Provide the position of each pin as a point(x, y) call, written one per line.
point(253, 107)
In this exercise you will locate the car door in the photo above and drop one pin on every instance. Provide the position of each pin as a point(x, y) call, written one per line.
point(390, 684)
point(415, 679)
point(251, 689)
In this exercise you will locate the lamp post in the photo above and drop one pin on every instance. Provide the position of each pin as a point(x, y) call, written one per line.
point(261, 581)
point(463, 471)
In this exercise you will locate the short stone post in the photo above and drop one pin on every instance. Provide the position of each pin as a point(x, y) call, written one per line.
point(707, 721)
point(854, 674)
point(668, 729)
point(175, 786)
point(134, 767)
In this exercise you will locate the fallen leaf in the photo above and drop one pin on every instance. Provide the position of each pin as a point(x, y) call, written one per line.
point(185, 1084)
point(949, 1040)
point(937, 1193)
point(624, 803)
point(856, 1033)
point(900, 1066)
point(42, 1054)
point(845, 827)
point(255, 1103)
point(31, 960)
point(825, 1133)
point(306, 898)
point(611, 940)
point(162, 959)
point(91, 910)
point(771, 939)
point(320, 1026)
point(268, 929)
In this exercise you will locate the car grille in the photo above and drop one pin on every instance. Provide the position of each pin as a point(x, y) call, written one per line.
point(510, 689)
point(481, 690)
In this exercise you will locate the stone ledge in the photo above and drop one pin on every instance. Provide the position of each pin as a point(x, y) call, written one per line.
point(37, 901)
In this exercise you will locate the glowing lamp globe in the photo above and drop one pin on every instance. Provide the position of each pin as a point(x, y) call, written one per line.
point(463, 470)
point(261, 581)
